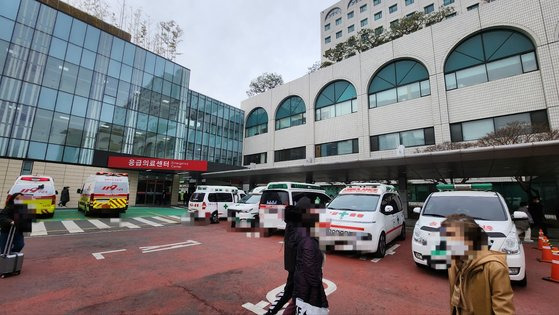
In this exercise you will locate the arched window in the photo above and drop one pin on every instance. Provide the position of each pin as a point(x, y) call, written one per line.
point(352, 3)
point(336, 99)
point(488, 56)
point(257, 122)
point(399, 81)
point(291, 112)
point(335, 11)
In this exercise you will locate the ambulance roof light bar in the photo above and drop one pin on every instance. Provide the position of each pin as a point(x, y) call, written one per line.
point(376, 185)
point(465, 187)
point(111, 174)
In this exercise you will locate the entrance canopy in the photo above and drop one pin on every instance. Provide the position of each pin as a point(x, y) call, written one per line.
point(527, 159)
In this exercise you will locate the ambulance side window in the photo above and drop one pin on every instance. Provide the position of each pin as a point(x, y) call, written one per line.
point(386, 200)
point(397, 203)
point(224, 197)
point(212, 197)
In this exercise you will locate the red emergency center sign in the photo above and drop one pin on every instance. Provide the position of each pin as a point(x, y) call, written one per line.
point(157, 164)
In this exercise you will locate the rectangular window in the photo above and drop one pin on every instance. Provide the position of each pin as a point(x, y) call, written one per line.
point(376, 2)
point(471, 76)
point(529, 62)
point(504, 68)
point(393, 8)
point(258, 158)
point(474, 130)
point(327, 40)
point(337, 148)
point(339, 34)
point(299, 153)
point(451, 15)
point(379, 30)
point(447, 2)
point(351, 28)
point(473, 7)
point(378, 15)
point(364, 22)
point(428, 9)
point(408, 2)
point(394, 23)
point(327, 27)
point(338, 21)
point(350, 15)
point(363, 8)
point(410, 138)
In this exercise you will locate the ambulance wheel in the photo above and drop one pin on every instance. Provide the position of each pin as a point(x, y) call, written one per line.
point(381, 248)
point(214, 218)
point(49, 215)
point(402, 236)
point(523, 282)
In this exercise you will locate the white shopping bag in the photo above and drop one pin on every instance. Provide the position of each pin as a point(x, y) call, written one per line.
point(304, 308)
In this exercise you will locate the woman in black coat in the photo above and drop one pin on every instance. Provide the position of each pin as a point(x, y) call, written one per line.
point(14, 214)
point(64, 196)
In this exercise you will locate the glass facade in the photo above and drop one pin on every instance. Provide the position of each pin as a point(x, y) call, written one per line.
point(290, 154)
point(336, 148)
point(69, 89)
point(336, 99)
point(410, 138)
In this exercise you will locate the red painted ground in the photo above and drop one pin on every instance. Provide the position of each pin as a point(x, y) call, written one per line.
point(61, 276)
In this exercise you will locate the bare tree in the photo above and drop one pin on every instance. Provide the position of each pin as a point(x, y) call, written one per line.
point(315, 66)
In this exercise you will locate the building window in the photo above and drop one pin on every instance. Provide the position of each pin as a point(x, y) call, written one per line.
point(352, 3)
point(258, 158)
point(410, 138)
point(339, 34)
point(363, 8)
point(408, 2)
point(351, 28)
point(350, 15)
point(394, 23)
point(378, 15)
point(379, 30)
point(447, 2)
point(336, 99)
point(327, 40)
point(364, 22)
point(473, 7)
point(332, 13)
point(399, 81)
point(428, 9)
point(393, 8)
point(299, 153)
point(376, 2)
point(290, 113)
point(451, 15)
point(336, 148)
point(327, 27)
point(338, 21)
point(476, 129)
point(257, 122)
point(26, 167)
point(489, 56)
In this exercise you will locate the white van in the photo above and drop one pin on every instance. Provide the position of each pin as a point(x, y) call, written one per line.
point(279, 195)
point(489, 210)
point(40, 193)
point(212, 202)
point(364, 217)
point(104, 193)
point(244, 213)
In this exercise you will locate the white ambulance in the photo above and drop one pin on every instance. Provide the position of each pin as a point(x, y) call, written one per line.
point(364, 217)
point(104, 193)
point(489, 210)
point(279, 195)
point(244, 213)
point(39, 192)
point(212, 202)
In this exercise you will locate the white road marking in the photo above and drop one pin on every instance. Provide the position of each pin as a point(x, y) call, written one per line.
point(164, 220)
point(38, 228)
point(281, 242)
point(100, 256)
point(179, 208)
point(147, 222)
point(128, 225)
point(72, 227)
point(150, 249)
point(174, 217)
point(99, 224)
point(390, 251)
point(376, 260)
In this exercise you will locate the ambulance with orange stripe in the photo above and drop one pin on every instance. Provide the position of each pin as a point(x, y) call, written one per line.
point(363, 217)
point(39, 193)
point(104, 193)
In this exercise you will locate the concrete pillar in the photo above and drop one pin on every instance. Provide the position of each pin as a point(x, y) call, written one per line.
point(403, 190)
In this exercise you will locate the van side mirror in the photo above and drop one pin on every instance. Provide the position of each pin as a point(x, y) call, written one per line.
point(79, 191)
point(388, 209)
point(417, 210)
point(519, 215)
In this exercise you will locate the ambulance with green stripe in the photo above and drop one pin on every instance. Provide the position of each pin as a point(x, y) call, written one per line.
point(39, 193)
point(363, 217)
point(104, 193)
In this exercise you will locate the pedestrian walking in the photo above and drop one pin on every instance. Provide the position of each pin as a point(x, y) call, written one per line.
point(523, 226)
point(308, 293)
point(64, 196)
point(15, 213)
point(479, 278)
point(536, 210)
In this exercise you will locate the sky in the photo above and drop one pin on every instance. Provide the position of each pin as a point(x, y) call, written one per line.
point(227, 43)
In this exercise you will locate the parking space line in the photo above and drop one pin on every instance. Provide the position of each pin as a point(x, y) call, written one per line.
point(72, 227)
point(38, 229)
point(99, 224)
point(164, 220)
point(148, 222)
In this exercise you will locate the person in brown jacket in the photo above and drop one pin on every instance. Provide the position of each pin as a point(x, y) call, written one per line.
point(479, 278)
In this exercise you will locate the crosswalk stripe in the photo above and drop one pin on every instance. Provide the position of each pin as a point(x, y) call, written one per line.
point(99, 224)
point(147, 222)
point(72, 227)
point(38, 228)
point(174, 217)
point(128, 225)
point(164, 220)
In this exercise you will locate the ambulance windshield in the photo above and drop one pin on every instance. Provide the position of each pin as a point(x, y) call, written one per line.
point(355, 202)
